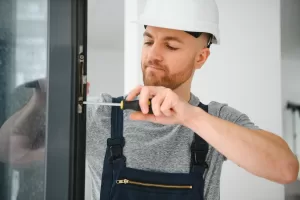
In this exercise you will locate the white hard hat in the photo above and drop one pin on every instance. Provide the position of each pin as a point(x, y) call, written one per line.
point(186, 15)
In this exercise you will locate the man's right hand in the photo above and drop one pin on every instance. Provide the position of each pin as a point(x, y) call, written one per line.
point(22, 136)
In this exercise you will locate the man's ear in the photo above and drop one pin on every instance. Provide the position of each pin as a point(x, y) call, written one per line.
point(201, 57)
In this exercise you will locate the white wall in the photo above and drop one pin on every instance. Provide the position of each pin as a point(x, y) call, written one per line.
point(133, 42)
point(105, 69)
point(105, 48)
point(243, 71)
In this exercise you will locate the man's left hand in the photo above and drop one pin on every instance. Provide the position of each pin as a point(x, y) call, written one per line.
point(167, 106)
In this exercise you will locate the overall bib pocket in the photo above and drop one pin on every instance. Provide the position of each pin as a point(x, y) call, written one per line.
point(135, 184)
point(132, 190)
point(153, 185)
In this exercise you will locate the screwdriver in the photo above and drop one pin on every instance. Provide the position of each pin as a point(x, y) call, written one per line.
point(124, 105)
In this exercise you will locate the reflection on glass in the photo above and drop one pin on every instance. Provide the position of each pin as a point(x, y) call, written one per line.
point(31, 40)
point(23, 67)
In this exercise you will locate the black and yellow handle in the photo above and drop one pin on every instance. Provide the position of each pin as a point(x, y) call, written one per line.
point(134, 105)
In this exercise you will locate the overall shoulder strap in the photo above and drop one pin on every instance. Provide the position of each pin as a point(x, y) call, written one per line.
point(113, 161)
point(203, 106)
point(116, 142)
point(199, 148)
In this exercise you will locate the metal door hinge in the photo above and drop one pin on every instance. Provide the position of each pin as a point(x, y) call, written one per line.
point(82, 79)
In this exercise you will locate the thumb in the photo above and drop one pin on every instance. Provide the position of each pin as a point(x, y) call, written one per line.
point(141, 116)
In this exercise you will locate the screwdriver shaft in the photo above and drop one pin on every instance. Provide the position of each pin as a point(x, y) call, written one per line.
point(101, 103)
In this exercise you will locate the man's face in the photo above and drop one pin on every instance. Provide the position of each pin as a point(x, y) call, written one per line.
point(169, 57)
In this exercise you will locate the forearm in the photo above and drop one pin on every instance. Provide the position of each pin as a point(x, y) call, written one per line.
point(31, 119)
point(19, 132)
point(259, 152)
point(5, 137)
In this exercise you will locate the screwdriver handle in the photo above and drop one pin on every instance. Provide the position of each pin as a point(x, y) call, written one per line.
point(134, 105)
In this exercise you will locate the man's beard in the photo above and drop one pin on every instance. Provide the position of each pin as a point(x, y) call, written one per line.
point(165, 78)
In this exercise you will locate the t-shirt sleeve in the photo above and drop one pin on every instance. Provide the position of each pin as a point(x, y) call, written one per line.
point(235, 116)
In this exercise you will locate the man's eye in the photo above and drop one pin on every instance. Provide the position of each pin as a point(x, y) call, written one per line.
point(171, 48)
point(148, 43)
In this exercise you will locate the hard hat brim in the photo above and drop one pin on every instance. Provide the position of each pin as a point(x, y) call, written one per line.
point(205, 27)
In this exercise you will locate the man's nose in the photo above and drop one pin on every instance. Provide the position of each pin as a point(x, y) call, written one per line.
point(155, 53)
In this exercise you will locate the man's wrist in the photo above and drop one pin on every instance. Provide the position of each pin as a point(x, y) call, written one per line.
point(194, 116)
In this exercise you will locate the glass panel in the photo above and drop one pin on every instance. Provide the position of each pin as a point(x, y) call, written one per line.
point(23, 67)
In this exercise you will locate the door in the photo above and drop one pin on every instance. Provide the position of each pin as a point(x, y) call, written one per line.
point(42, 87)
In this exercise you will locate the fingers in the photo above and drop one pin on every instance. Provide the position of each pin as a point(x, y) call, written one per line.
point(134, 93)
point(156, 103)
point(161, 102)
point(161, 99)
point(166, 108)
point(145, 95)
point(167, 104)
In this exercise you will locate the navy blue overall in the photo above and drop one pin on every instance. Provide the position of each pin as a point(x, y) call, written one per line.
point(122, 183)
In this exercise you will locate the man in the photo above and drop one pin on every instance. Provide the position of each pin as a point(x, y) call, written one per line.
point(160, 158)
point(152, 156)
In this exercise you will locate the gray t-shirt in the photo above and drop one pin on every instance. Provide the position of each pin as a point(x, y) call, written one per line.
point(155, 147)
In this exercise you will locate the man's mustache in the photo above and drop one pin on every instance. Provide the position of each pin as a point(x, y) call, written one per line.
point(159, 67)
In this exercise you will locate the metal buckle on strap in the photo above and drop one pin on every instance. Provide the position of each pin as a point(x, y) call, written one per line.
point(198, 156)
point(116, 147)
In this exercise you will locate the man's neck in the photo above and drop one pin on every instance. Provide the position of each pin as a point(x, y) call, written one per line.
point(184, 93)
